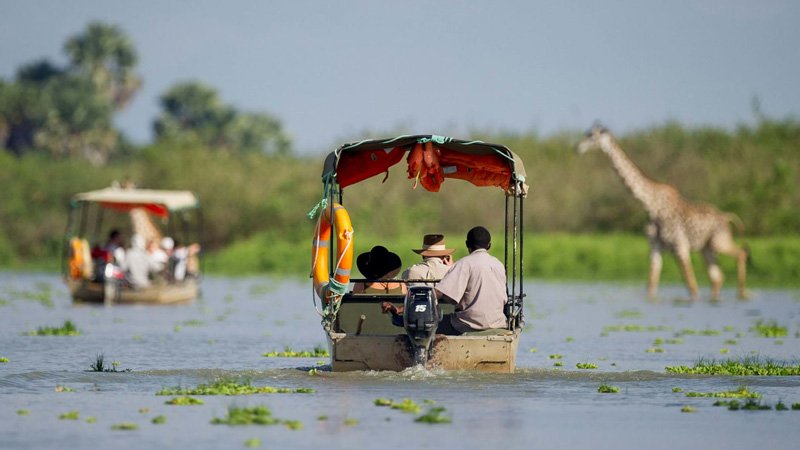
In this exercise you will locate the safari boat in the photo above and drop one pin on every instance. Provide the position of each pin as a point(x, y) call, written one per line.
point(360, 337)
point(92, 276)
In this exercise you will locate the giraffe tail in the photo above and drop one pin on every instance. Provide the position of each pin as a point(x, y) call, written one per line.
point(736, 221)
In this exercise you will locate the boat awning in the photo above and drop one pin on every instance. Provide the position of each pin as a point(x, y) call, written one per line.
point(431, 159)
point(158, 202)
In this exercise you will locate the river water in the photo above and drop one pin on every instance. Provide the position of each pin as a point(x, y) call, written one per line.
point(541, 405)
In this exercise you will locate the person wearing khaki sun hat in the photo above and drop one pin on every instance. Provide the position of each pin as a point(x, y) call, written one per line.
point(436, 260)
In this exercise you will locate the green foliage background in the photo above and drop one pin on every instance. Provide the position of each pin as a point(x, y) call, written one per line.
point(581, 221)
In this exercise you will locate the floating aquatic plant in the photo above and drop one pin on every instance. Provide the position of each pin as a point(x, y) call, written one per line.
point(383, 402)
point(730, 342)
point(780, 406)
point(769, 329)
point(434, 415)
point(749, 405)
point(407, 406)
point(258, 415)
point(60, 388)
point(558, 364)
point(68, 329)
point(252, 443)
point(23, 412)
point(99, 365)
point(607, 389)
point(43, 294)
point(322, 417)
point(724, 351)
point(125, 426)
point(655, 350)
point(72, 415)
point(795, 406)
point(91, 419)
point(688, 409)
point(555, 356)
point(677, 389)
point(691, 332)
point(317, 352)
point(184, 401)
point(674, 341)
point(350, 422)
point(231, 387)
point(743, 367)
point(586, 366)
point(741, 392)
point(3, 359)
point(628, 314)
point(159, 420)
point(533, 350)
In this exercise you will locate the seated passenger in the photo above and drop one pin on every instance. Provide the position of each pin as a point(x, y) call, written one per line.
point(184, 260)
point(436, 260)
point(379, 264)
point(139, 264)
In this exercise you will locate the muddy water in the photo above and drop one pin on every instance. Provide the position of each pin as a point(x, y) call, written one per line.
point(540, 406)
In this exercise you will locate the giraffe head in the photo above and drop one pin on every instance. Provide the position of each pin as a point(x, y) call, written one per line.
point(593, 138)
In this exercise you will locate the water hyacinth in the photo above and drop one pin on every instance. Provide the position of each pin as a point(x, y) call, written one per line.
point(741, 392)
point(743, 367)
point(231, 387)
point(317, 352)
point(607, 389)
point(68, 329)
point(184, 401)
point(769, 329)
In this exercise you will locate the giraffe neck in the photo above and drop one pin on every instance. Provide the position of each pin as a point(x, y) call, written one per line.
point(143, 226)
point(640, 186)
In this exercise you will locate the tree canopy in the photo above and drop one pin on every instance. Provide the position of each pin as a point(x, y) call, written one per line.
point(193, 111)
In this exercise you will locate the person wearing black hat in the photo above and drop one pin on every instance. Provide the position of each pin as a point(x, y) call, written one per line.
point(379, 264)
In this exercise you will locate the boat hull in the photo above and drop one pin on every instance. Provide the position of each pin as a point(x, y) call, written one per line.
point(92, 292)
point(493, 353)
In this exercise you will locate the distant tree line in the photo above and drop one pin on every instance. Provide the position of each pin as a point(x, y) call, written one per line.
point(67, 111)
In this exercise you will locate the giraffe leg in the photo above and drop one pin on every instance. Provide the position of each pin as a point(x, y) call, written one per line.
point(655, 270)
point(714, 272)
point(685, 263)
point(726, 246)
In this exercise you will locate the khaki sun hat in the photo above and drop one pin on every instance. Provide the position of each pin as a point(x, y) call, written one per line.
point(433, 245)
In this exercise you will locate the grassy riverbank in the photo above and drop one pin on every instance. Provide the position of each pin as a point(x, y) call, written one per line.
point(775, 261)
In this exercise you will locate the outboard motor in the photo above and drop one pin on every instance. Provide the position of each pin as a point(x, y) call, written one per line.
point(421, 316)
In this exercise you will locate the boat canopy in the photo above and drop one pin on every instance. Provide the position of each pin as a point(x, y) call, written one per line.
point(158, 202)
point(431, 159)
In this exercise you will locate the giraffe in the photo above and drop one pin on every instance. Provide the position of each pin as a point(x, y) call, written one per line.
point(143, 225)
point(676, 225)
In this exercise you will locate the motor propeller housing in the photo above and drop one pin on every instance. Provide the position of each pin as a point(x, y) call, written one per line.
point(421, 317)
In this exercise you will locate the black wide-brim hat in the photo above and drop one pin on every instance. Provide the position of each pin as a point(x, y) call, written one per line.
point(378, 262)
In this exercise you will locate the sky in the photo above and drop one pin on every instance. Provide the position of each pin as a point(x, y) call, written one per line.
point(332, 71)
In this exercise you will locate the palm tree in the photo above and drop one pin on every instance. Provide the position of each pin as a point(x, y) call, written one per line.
point(107, 56)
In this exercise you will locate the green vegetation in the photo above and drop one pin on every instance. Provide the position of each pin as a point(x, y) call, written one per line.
point(749, 405)
point(99, 365)
point(60, 388)
point(434, 415)
point(23, 412)
point(3, 359)
point(691, 332)
point(744, 367)
point(159, 420)
point(607, 389)
point(68, 329)
point(555, 356)
point(125, 426)
point(258, 415)
point(349, 422)
point(231, 387)
point(317, 352)
point(586, 366)
point(406, 406)
point(72, 415)
point(383, 402)
point(184, 401)
point(741, 392)
point(769, 329)
point(252, 443)
point(655, 350)
point(91, 419)
point(688, 409)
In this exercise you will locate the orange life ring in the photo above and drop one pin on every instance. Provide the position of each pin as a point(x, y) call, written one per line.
point(80, 260)
point(326, 288)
